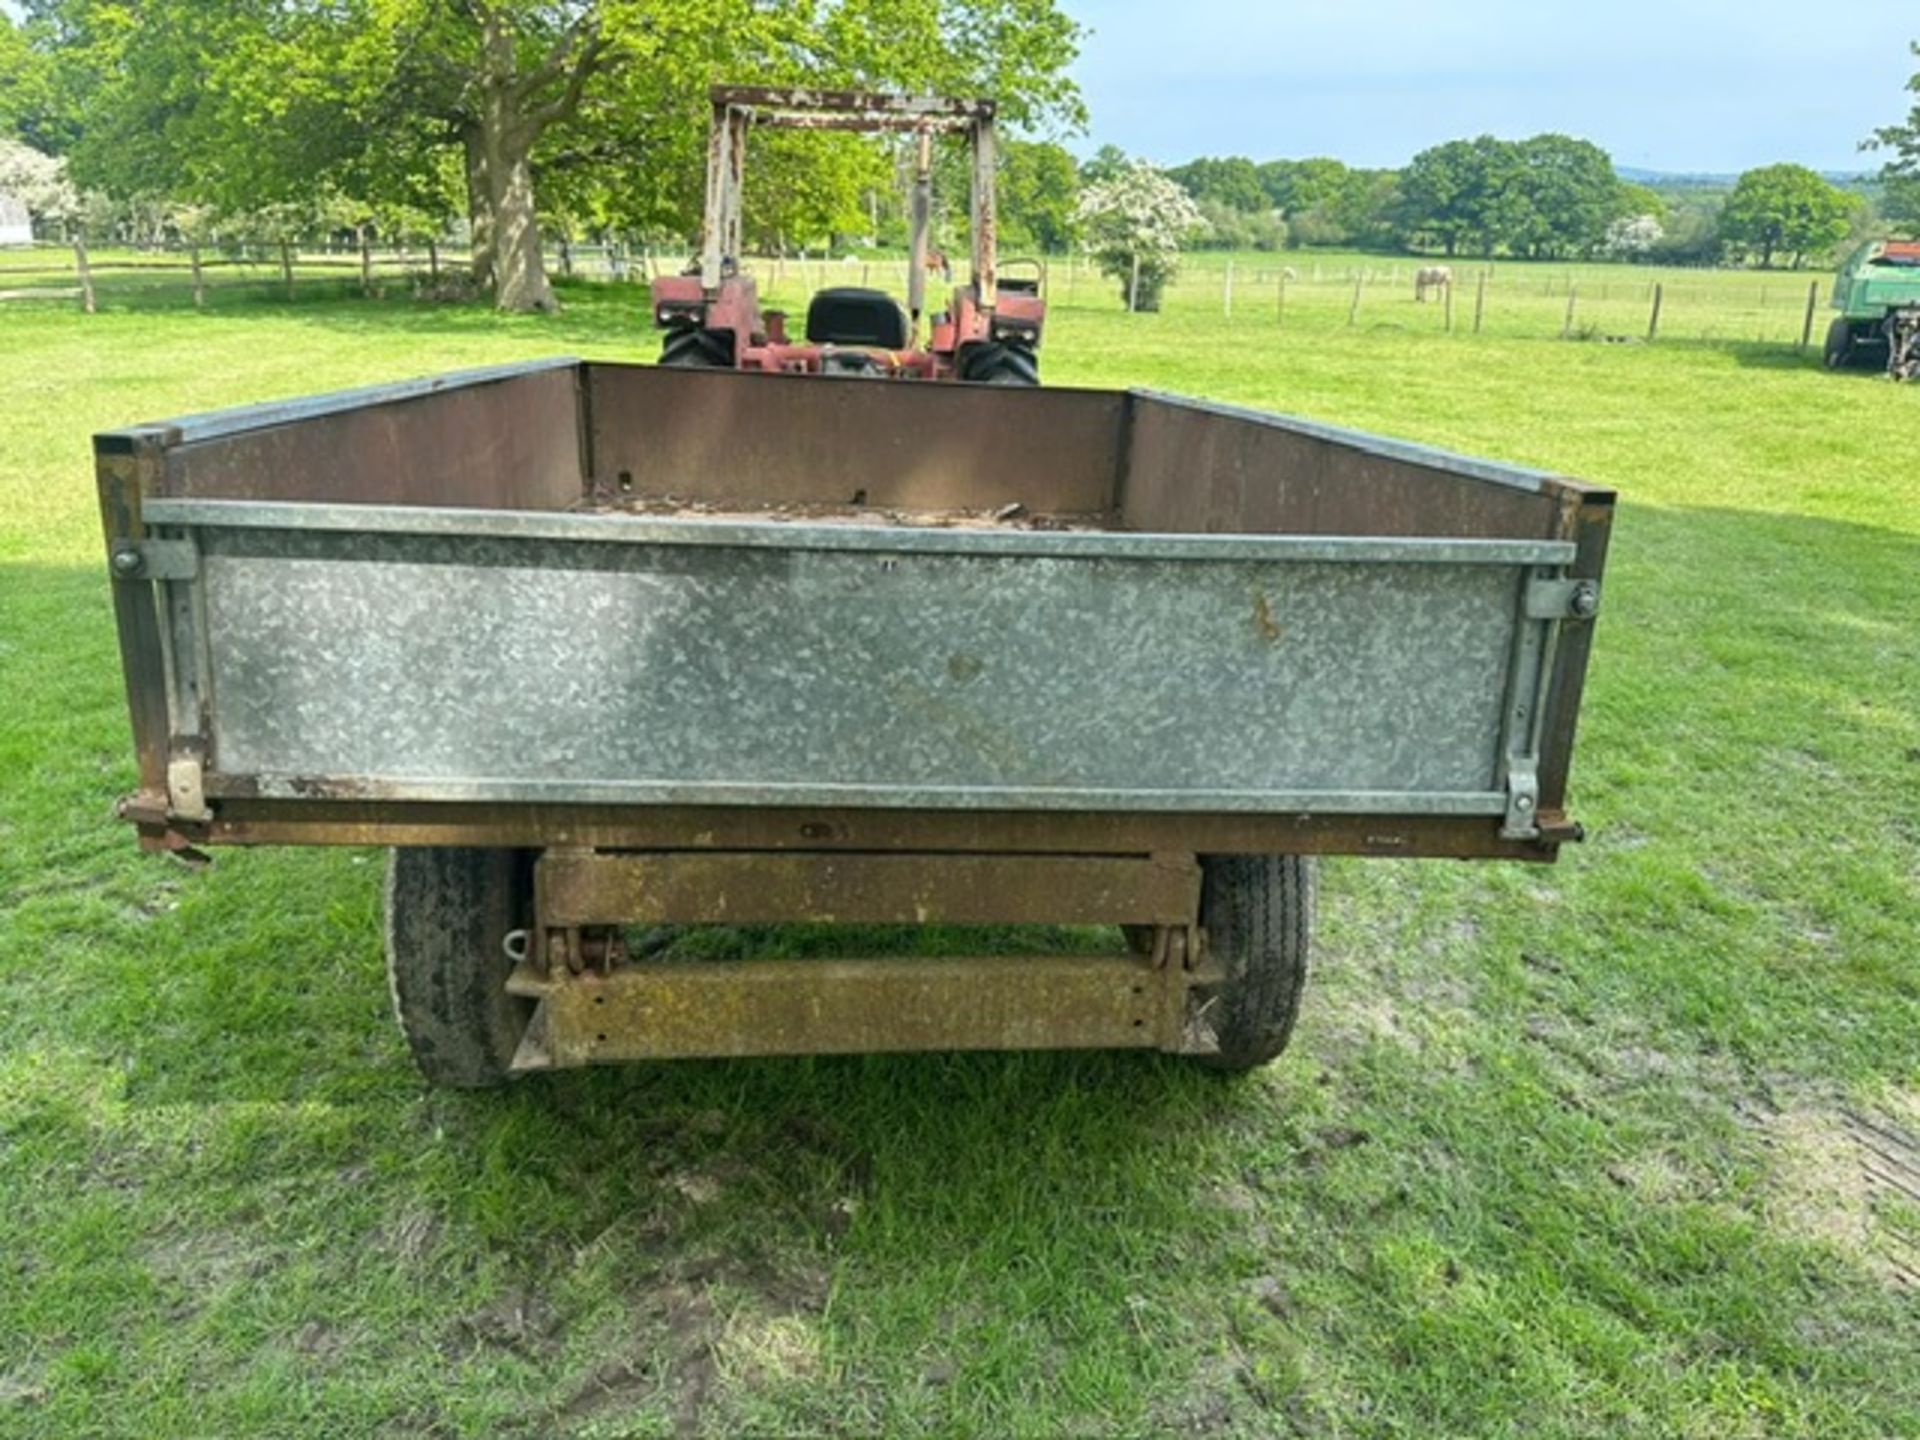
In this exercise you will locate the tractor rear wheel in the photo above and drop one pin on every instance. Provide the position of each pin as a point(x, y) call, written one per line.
point(998, 364)
point(1257, 912)
point(1839, 347)
point(697, 350)
point(449, 912)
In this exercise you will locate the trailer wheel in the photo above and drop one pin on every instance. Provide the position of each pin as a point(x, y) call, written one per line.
point(448, 915)
point(1257, 911)
point(997, 364)
point(697, 350)
point(1839, 348)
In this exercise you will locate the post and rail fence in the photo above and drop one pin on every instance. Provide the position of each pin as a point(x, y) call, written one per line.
point(1510, 299)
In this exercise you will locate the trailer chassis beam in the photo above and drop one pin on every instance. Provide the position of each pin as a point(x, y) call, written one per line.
point(595, 1003)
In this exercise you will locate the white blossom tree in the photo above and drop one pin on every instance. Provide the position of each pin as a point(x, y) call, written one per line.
point(1632, 237)
point(40, 182)
point(1135, 223)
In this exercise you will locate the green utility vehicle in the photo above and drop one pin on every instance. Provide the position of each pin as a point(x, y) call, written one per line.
point(1878, 296)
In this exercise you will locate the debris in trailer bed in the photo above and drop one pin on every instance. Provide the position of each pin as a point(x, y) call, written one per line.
point(1014, 516)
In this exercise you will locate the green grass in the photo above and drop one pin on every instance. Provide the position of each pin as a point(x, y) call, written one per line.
point(1568, 1152)
point(1523, 299)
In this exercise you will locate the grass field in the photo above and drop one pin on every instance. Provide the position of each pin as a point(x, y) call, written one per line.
point(1627, 1147)
point(1521, 299)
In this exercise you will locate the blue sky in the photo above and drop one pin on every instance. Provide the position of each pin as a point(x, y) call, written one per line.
point(1688, 85)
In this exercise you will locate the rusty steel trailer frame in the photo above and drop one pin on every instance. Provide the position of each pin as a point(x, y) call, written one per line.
point(595, 1004)
point(570, 430)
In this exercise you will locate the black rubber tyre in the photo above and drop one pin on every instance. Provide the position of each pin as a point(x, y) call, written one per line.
point(1838, 353)
point(697, 350)
point(997, 364)
point(448, 915)
point(1257, 911)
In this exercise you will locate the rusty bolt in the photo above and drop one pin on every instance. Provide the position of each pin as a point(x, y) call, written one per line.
point(127, 563)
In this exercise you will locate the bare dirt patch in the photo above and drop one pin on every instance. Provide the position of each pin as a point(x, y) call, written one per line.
point(703, 1328)
point(200, 1265)
point(1851, 1178)
point(520, 1321)
point(320, 1342)
point(20, 1388)
point(413, 1235)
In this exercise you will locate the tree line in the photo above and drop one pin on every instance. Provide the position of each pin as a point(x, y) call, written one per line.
point(515, 122)
point(1549, 197)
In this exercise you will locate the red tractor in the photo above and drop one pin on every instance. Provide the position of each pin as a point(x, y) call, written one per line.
point(989, 332)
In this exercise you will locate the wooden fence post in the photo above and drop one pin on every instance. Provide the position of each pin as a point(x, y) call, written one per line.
point(366, 261)
point(1226, 293)
point(1813, 300)
point(1133, 287)
point(1653, 320)
point(83, 269)
point(1280, 316)
point(1447, 297)
point(1353, 310)
point(1573, 296)
point(199, 282)
point(286, 265)
point(1480, 299)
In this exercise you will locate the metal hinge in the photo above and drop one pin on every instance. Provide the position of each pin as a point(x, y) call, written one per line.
point(1563, 599)
point(1523, 800)
point(155, 559)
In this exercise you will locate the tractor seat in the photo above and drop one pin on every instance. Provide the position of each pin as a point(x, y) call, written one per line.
point(852, 316)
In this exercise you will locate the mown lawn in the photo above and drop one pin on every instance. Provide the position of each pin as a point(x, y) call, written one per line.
point(1630, 1146)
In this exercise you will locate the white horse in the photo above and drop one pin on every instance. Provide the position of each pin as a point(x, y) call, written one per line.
point(1431, 277)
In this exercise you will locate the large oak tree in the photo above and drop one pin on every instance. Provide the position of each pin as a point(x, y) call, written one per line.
point(246, 103)
point(1784, 210)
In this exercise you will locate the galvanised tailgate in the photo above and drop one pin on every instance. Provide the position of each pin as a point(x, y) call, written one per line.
point(395, 653)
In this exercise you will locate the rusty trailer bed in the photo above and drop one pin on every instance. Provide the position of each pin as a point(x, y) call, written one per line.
point(709, 645)
point(376, 617)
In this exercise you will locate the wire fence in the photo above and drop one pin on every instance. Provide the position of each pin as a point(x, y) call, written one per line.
point(1612, 302)
point(1291, 291)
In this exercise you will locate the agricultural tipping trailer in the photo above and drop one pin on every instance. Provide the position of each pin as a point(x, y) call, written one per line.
point(990, 330)
point(595, 645)
point(1877, 293)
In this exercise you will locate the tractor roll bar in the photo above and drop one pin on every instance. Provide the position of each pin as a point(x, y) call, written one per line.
point(737, 108)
